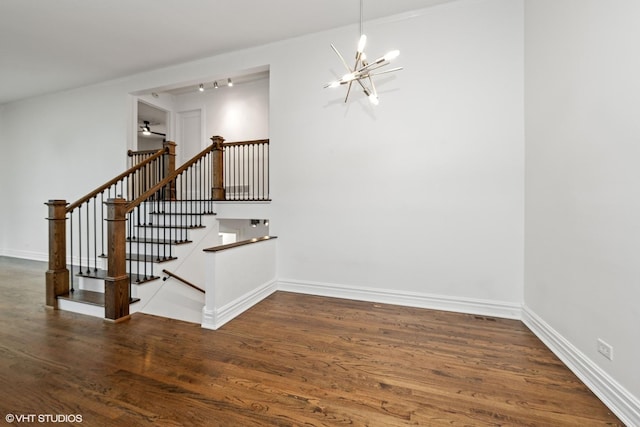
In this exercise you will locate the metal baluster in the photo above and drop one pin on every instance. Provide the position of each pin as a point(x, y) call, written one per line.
point(95, 236)
point(102, 220)
point(71, 245)
point(80, 239)
point(130, 225)
point(88, 241)
point(181, 217)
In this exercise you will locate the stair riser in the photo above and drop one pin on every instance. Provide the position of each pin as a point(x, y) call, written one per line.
point(176, 220)
point(178, 207)
point(90, 284)
point(97, 285)
point(162, 233)
point(151, 249)
point(78, 307)
point(135, 267)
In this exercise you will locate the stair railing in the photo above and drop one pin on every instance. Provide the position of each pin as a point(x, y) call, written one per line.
point(86, 241)
point(157, 219)
point(246, 170)
point(157, 204)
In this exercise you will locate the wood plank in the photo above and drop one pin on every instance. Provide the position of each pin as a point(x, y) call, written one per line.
point(290, 360)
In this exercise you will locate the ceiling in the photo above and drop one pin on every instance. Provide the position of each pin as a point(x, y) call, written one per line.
point(48, 46)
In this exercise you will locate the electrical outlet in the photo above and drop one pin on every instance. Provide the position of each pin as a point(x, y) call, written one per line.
point(605, 349)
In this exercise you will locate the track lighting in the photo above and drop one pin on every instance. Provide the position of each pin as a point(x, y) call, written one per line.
point(255, 222)
point(215, 85)
point(201, 88)
point(229, 82)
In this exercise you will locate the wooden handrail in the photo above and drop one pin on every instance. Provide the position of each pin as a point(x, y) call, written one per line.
point(240, 243)
point(124, 174)
point(256, 141)
point(186, 282)
point(166, 180)
point(132, 153)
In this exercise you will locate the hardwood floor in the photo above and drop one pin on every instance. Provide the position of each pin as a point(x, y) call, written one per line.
point(292, 360)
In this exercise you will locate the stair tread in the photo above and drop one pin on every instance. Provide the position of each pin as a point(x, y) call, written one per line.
point(148, 258)
point(179, 227)
point(89, 297)
point(102, 274)
point(86, 297)
point(182, 213)
point(159, 241)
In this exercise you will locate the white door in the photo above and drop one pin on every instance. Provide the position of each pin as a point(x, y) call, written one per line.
point(189, 133)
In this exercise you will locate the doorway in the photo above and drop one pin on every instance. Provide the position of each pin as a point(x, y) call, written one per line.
point(152, 127)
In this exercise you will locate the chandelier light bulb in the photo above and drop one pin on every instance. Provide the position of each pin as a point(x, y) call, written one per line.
point(374, 99)
point(362, 43)
point(391, 55)
point(348, 77)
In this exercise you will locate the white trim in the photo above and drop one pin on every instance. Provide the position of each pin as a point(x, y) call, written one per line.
point(81, 308)
point(33, 256)
point(610, 392)
point(411, 299)
point(214, 319)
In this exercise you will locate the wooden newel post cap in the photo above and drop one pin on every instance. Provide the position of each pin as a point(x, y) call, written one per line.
point(217, 142)
point(57, 209)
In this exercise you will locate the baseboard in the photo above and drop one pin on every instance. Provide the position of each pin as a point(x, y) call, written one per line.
point(410, 299)
point(215, 318)
point(611, 393)
point(30, 255)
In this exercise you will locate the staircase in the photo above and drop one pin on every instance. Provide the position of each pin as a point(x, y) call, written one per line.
point(108, 250)
point(173, 242)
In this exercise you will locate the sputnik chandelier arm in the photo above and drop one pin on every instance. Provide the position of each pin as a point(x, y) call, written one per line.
point(362, 71)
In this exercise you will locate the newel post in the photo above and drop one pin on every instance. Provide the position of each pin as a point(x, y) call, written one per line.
point(57, 276)
point(116, 284)
point(170, 167)
point(217, 189)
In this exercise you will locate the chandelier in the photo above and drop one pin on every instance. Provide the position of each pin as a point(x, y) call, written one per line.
point(363, 71)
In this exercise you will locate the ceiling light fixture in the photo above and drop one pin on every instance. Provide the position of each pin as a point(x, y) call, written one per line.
point(363, 70)
point(146, 130)
point(201, 88)
point(215, 85)
point(229, 82)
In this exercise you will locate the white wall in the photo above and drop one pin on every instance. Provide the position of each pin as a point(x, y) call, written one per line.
point(239, 113)
point(43, 140)
point(424, 193)
point(582, 174)
point(231, 287)
point(439, 161)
